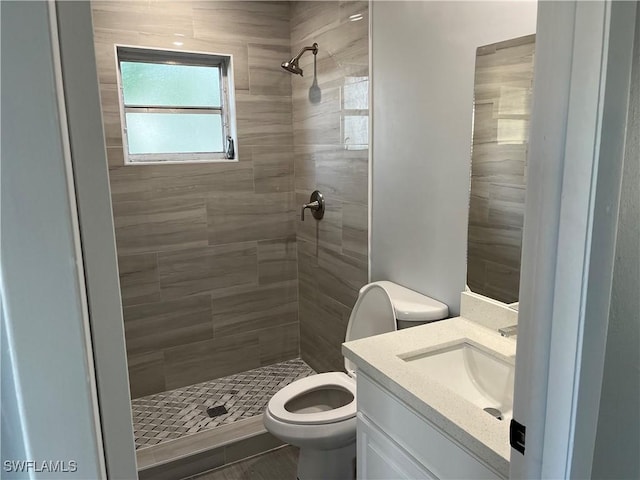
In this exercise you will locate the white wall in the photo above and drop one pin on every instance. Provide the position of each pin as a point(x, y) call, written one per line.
point(423, 63)
point(82, 98)
point(45, 326)
point(618, 437)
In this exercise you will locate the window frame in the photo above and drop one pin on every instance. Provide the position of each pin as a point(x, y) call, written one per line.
point(224, 62)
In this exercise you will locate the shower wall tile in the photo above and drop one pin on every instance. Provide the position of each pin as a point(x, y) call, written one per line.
point(139, 279)
point(340, 276)
point(355, 230)
point(317, 342)
point(198, 270)
point(267, 22)
point(278, 343)
point(265, 76)
point(254, 308)
point(197, 362)
point(146, 374)
point(146, 226)
point(311, 18)
point(199, 180)
point(234, 217)
point(132, 183)
point(317, 123)
point(273, 170)
point(277, 260)
point(195, 237)
point(159, 325)
point(332, 253)
point(264, 120)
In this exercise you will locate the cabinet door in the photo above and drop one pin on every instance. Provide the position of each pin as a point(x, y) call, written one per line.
point(380, 458)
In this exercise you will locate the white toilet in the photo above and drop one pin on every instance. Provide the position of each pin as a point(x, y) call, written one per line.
point(318, 413)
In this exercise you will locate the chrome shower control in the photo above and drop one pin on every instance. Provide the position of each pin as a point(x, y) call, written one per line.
point(316, 205)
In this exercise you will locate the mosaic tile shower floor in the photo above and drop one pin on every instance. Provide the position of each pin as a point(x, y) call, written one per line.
point(183, 411)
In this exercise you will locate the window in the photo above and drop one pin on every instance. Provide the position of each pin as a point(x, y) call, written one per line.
point(175, 106)
point(355, 113)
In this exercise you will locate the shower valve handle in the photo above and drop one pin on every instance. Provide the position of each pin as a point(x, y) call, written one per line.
point(316, 205)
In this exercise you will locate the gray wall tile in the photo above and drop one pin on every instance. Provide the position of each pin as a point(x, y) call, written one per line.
point(197, 362)
point(277, 260)
point(234, 217)
point(139, 279)
point(332, 253)
point(154, 326)
point(181, 230)
point(146, 374)
point(196, 270)
point(254, 308)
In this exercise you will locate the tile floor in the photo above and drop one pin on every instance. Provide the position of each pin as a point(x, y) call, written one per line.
point(279, 464)
point(183, 411)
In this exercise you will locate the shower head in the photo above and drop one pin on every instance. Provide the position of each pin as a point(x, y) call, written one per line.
point(292, 65)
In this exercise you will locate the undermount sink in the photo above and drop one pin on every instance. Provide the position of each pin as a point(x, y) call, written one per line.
point(472, 372)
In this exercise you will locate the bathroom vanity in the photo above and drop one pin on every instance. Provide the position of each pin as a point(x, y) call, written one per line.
point(435, 401)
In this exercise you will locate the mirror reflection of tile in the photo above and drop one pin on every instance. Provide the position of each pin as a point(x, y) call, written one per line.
point(502, 106)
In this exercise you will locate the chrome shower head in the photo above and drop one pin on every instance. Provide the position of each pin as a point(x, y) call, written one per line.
point(292, 65)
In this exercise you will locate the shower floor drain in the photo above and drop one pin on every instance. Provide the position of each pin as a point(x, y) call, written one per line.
point(216, 411)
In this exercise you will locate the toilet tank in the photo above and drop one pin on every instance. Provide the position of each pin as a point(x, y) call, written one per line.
point(413, 308)
point(384, 306)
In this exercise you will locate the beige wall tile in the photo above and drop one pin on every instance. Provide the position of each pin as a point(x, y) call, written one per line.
point(249, 21)
point(321, 353)
point(277, 260)
point(305, 169)
point(201, 361)
point(148, 17)
point(340, 277)
point(198, 180)
point(154, 326)
point(310, 18)
point(280, 343)
point(316, 123)
point(307, 269)
point(254, 308)
point(225, 229)
point(139, 280)
point(115, 157)
point(196, 270)
point(266, 77)
point(332, 254)
point(130, 183)
point(157, 225)
point(146, 374)
point(273, 169)
point(355, 238)
point(263, 120)
point(239, 218)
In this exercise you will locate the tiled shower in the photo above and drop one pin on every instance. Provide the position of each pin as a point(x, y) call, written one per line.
point(218, 274)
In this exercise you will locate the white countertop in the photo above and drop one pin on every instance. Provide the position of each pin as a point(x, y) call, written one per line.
point(377, 357)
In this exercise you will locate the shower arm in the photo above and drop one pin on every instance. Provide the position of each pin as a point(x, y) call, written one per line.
point(313, 48)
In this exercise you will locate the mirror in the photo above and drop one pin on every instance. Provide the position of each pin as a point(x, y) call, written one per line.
point(502, 106)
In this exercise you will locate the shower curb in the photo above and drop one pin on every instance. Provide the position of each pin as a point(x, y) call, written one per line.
point(207, 450)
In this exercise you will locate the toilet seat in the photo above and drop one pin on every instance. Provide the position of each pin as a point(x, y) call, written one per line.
point(303, 386)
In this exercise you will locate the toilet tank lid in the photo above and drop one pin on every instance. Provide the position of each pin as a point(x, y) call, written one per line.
point(413, 306)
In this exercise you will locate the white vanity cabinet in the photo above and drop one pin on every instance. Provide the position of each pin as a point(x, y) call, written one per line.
point(395, 442)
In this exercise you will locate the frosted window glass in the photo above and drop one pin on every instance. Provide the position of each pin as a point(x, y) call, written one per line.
point(356, 132)
point(174, 133)
point(156, 84)
point(356, 93)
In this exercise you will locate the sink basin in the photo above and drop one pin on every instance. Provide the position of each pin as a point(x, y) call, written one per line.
point(471, 371)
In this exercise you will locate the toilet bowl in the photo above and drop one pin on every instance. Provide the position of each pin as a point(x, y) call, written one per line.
point(318, 413)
